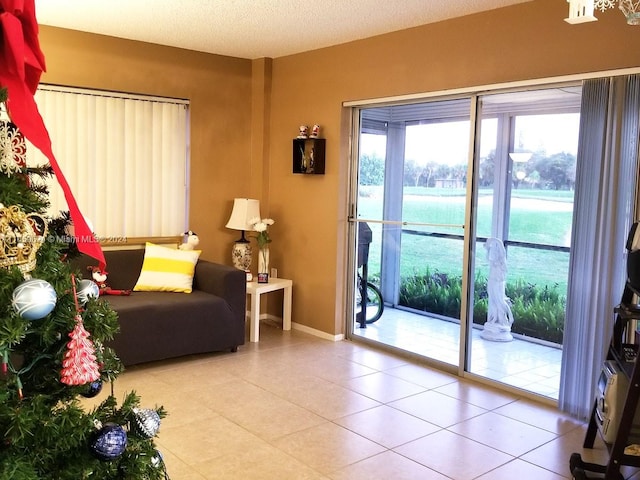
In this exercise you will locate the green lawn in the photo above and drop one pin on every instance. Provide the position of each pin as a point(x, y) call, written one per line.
point(536, 216)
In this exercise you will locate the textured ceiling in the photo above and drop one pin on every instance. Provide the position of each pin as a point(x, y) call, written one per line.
point(252, 28)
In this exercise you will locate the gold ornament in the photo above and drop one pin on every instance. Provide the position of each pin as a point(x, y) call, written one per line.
point(21, 235)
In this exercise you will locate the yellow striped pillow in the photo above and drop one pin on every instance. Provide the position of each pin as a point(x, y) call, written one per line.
point(167, 269)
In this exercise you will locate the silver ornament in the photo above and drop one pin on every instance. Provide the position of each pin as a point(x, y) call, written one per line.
point(146, 422)
point(87, 289)
point(34, 299)
point(157, 460)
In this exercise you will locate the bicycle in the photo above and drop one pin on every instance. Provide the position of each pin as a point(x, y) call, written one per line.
point(373, 303)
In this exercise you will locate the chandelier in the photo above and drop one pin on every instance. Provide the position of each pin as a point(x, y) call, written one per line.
point(581, 11)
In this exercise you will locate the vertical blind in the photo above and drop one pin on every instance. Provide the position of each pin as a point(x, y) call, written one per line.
point(125, 158)
point(604, 200)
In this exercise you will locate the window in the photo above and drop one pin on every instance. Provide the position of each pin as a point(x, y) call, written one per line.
point(125, 158)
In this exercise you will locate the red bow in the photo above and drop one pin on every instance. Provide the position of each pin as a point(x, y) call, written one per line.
point(21, 65)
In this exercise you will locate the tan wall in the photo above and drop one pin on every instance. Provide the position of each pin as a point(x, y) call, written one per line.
point(522, 42)
point(246, 113)
point(219, 89)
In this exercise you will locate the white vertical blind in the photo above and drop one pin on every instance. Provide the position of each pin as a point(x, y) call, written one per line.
point(125, 158)
point(605, 191)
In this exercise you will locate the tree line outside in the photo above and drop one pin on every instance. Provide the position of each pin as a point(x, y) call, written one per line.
point(542, 171)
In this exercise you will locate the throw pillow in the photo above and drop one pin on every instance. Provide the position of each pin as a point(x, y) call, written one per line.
point(167, 269)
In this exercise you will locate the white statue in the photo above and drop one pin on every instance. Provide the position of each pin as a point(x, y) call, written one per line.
point(499, 315)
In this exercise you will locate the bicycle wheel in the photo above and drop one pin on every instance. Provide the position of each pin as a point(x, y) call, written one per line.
point(375, 305)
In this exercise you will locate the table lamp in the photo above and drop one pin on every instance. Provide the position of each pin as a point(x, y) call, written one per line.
point(244, 209)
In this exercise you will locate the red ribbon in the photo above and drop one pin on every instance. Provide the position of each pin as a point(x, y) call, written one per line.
point(21, 65)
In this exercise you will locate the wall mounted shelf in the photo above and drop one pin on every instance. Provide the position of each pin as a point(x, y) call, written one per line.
point(308, 155)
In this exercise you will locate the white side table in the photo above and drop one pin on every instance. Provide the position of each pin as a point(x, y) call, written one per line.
point(254, 290)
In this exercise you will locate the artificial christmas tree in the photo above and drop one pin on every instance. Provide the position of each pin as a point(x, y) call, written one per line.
point(53, 333)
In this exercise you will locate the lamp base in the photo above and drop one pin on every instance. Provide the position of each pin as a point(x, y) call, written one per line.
point(241, 255)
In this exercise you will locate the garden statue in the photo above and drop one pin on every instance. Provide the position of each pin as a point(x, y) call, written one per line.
point(499, 316)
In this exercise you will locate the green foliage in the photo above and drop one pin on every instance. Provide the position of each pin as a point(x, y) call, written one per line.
point(45, 428)
point(436, 292)
point(538, 311)
point(556, 171)
point(371, 170)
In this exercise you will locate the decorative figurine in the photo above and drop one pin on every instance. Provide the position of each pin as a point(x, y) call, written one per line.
point(304, 132)
point(315, 131)
point(190, 242)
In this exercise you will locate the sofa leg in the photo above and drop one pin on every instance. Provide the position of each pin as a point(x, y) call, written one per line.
point(234, 349)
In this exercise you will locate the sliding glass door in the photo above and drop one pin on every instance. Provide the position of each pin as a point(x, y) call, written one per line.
point(411, 196)
point(526, 177)
point(496, 310)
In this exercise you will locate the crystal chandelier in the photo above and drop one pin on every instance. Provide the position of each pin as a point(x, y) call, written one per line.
point(581, 11)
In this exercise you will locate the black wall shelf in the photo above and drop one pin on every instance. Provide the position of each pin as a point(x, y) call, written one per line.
point(308, 155)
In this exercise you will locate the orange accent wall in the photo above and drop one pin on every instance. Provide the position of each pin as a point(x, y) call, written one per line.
point(245, 114)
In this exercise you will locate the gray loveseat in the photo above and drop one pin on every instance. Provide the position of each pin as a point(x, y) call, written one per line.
point(161, 325)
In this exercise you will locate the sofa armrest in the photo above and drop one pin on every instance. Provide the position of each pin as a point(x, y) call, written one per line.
point(224, 281)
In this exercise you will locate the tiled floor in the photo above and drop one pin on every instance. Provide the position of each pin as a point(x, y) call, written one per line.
point(519, 363)
point(297, 407)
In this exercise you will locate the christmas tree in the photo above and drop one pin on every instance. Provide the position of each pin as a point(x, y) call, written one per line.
point(54, 327)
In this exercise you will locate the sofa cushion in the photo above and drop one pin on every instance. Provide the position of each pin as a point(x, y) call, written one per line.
point(161, 325)
point(167, 269)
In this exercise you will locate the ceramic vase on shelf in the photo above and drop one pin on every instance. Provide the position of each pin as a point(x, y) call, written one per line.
point(263, 265)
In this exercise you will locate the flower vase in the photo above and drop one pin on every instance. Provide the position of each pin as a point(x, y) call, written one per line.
point(263, 265)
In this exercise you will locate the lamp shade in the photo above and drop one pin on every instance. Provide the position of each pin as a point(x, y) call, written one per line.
point(244, 209)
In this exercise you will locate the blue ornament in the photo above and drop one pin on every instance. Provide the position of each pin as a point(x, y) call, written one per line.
point(87, 289)
point(109, 442)
point(34, 299)
point(94, 389)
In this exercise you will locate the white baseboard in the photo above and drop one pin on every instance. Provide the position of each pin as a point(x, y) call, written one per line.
point(303, 328)
point(317, 333)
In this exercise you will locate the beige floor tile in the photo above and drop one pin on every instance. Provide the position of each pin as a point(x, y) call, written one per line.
point(385, 466)
point(555, 455)
point(203, 440)
point(387, 426)
point(517, 469)
point(423, 376)
point(324, 398)
point(182, 410)
point(477, 394)
point(503, 433)
point(265, 462)
point(328, 447)
point(176, 468)
point(382, 387)
point(229, 397)
point(454, 456)
point(437, 408)
point(191, 375)
point(376, 359)
point(547, 417)
point(266, 415)
point(336, 369)
point(143, 381)
point(293, 406)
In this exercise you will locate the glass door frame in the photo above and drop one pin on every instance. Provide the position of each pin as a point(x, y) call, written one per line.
point(463, 366)
point(353, 221)
point(469, 241)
